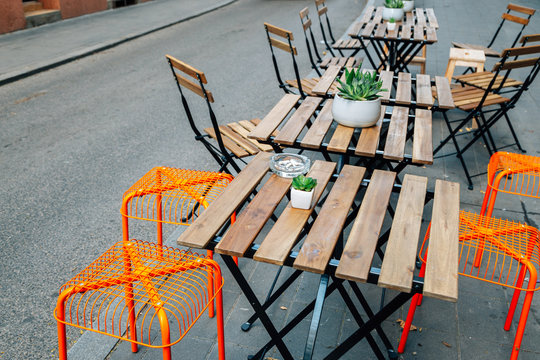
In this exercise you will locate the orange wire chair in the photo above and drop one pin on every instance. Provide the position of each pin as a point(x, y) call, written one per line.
point(511, 173)
point(137, 287)
point(496, 251)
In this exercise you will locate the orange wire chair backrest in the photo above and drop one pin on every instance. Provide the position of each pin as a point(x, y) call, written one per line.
point(500, 246)
point(174, 196)
point(161, 279)
point(517, 174)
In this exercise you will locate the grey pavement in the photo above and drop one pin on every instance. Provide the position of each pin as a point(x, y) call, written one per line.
point(468, 329)
point(30, 51)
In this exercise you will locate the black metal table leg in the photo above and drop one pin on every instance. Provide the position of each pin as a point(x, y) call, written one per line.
point(316, 318)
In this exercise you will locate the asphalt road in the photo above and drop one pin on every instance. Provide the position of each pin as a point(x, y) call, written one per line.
point(74, 138)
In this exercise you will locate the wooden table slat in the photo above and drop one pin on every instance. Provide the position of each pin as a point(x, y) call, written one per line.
point(252, 219)
point(422, 138)
point(327, 79)
point(386, 77)
point(355, 29)
point(400, 255)
point(424, 96)
point(403, 92)
point(444, 94)
point(368, 12)
point(271, 121)
point(319, 245)
point(432, 18)
point(377, 17)
point(316, 133)
point(431, 34)
point(357, 256)
point(397, 132)
point(420, 17)
point(201, 232)
point(418, 33)
point(368, 29)
point(406, 31)
point(409, 18)
point(292, 128)
point(341, 139)
point(381, 29)
point(283, 236)
point(441, 278)
point(369, 138)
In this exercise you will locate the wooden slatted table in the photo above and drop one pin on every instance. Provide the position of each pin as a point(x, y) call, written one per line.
point(406, 117)
point(395, 48)
point(345, 205)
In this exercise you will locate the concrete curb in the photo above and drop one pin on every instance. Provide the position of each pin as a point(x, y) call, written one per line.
point(50, 64)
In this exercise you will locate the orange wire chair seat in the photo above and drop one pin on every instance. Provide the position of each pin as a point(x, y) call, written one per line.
point(496, 251)
point(515, 174)
point(174, 196)
point(136, 288)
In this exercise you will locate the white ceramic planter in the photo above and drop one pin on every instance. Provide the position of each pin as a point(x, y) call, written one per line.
point(408, 5)
point(301, 199)
point(356, 113)
point(391, 26)
point(388, 13)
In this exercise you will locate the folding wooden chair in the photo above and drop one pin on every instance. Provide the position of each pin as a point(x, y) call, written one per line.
point(302, 86)
point(331, 44)
point(515, 174)
point(137, 288)
point(232, 142)
point(478, 102)
point(500, 252)
point(316, 61)
point(509, 15)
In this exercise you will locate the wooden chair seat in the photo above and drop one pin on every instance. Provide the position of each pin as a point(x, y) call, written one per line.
point(309, 84)
point(341, 61)
point(486, 50)
point(235, 138)
point(348, 43)
point(482, 79)
point(468, 97)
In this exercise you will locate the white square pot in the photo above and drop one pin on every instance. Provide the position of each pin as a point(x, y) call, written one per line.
point(301, 199)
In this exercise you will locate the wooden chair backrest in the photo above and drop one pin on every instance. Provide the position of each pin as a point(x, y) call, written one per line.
point(181, 68)
point(529, 38)
point(306, 21)
point(321, 7)
point(286, 34)
point(520, 9)
point(518, 63)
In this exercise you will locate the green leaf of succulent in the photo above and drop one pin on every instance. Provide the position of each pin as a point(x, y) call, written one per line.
point(304, 183)
point(360, 86)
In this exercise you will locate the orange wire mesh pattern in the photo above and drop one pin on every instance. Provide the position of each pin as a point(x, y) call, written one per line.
point(174, 196)
point(158, 280)
point(500, 246)
point(520, 174)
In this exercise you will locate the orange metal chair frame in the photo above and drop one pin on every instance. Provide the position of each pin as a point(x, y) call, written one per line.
point(511, 173)
point(503, 252)
point(137, 286)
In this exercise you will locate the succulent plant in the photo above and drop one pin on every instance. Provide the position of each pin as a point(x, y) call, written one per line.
point(303, 183)
point(392, 20)
point(360, 86)
point(393, 4)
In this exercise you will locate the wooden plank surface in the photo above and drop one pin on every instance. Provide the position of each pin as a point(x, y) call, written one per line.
point(271, 121)
point(327, 79)
point(403, 92)
point(292, 128)
point(360, 247)
point(420, 17)
point(202, 231)
point(315, 135)
point(424, 96)
point(386, 77)
point(238, 139)
point(422, 138)
point(252, 219)
point(241, 130)
point(283, 236)
point(418, 33)
point(400, 255)
point(432, 18)
point(341, 139)
point(319, 244)
point(406, 31)
point(397, 132)
point(441, 278)
point(444, 94)
point(431, 34)
point(369, 138)
point(229, 144)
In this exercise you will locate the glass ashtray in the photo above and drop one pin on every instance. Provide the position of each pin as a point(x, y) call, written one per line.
point(289, 165)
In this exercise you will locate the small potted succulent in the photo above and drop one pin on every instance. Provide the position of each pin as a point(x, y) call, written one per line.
point(357, 102)
point(302, 192)
point(391, 25)
point(393, 9)
point(408, 5)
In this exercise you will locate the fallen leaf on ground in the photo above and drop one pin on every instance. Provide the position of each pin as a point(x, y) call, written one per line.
point(283, 307)
point(402, 325)
point(446, 344)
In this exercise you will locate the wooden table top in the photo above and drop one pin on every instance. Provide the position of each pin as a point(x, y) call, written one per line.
point(317, 249)
point(420, 25)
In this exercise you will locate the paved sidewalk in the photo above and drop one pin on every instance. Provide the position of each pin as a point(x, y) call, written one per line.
point(30, 51)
